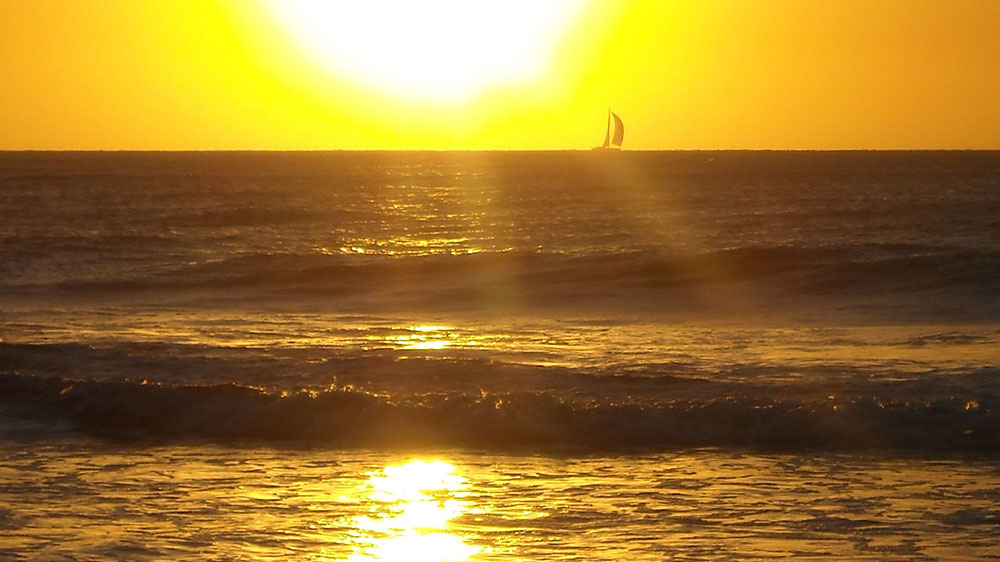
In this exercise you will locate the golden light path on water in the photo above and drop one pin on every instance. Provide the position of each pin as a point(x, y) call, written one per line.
point(412, 507)
point(429, 337)
point(201, 502)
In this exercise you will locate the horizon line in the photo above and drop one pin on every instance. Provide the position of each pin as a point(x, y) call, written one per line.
point(641, 150)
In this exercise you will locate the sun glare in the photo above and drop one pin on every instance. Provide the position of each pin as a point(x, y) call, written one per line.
point(433, 50)
point(418, 500)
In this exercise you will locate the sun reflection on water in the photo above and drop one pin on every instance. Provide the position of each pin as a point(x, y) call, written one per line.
point(427, 337)
point(412, 506)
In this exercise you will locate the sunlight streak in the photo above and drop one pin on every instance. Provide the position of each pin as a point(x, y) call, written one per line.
point(416, 501)
point(428, 337)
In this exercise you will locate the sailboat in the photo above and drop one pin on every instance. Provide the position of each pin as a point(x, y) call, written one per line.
point(615, 139)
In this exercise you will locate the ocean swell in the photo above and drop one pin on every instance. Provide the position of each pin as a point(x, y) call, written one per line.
point(337, 417)
point(868, 269)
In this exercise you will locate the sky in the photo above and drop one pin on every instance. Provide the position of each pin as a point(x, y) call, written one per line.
point(539, 74)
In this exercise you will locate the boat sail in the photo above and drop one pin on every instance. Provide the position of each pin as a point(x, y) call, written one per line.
point(616, 138)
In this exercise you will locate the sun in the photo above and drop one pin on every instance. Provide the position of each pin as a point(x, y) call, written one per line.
point(432, 50)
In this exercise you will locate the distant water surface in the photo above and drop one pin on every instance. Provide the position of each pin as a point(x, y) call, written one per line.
point(813, 338)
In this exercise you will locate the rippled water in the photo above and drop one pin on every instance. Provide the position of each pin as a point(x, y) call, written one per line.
point(499, 356)
point(76, 502)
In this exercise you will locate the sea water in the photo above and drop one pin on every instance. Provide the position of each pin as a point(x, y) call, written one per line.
point(499, 356)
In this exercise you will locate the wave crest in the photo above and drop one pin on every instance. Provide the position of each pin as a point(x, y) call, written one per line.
point(229, 413)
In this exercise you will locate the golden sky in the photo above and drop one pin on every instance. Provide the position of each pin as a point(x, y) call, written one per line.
point(539, 74)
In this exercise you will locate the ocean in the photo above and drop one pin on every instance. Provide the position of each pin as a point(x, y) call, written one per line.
point(499, 355)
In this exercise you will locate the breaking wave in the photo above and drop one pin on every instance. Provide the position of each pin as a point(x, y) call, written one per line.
point(337, 417)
